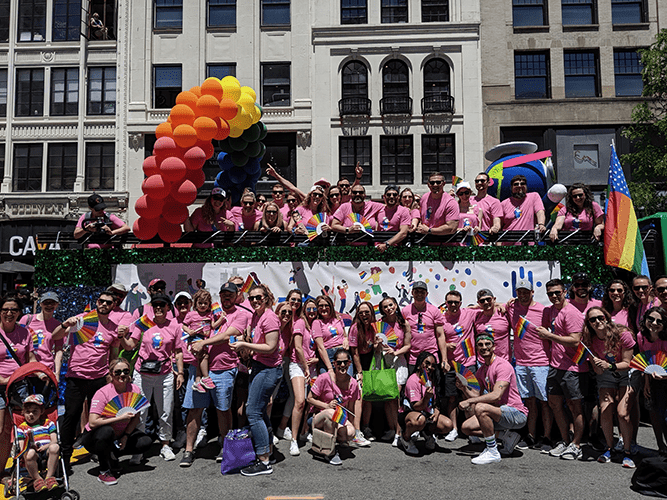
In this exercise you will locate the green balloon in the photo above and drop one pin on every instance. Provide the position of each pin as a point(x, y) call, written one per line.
point(262, 151)
point(254, 149)
point(239, 158)
point(252, 133)
point(263, 131)
point(237, 143)
point(224, 146)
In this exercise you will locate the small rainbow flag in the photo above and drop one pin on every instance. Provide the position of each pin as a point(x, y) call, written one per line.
point(125, 403)
point(358, 219)
point(216, 309)
point(581, 354)
point(340, 415)
point(88, 308)
point(249, 283)
point(363, 275)
point(468, 348)
point(554, 212)
point(521, 327)
point(144, 323)
point(88, 329)
point(313, 225)
point(478, 239)
point(466, 376)
point(424, 380)
point(376, 309)
point(455, 180)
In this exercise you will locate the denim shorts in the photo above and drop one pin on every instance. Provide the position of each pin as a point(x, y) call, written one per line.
point(510, 418)
point(612, 380)
point(572, 385)
point(224, 388)
point(531, 381)
point(194, 399)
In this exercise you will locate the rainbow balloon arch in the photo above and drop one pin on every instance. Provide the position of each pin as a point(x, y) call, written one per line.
point(219, 110)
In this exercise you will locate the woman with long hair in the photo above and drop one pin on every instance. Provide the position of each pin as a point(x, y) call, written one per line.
point(272, 219)
point(212, 215)
point(328, 331)
point(579, 212)
point(616, 301)
point(470, 213)
point(315, 203)
point(643, 299)
point(334, 198)
point(611, 346)
point(246, 215)
point(408, 200)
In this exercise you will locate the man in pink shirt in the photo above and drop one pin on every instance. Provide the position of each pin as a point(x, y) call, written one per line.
point(490, 205)
point(393, 217)
point(439, 211)
point(497, 407)
point(567, 379)
point(523, 210)
point(490, 320)
point(342, 223)
point(118, 315)
point(580, 293)
point(98, 221)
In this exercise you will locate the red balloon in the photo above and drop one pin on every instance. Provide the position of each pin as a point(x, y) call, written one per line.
point(207, 147)
point(148, 208)
point(155, 187)
point(168, 232)
point(164, 147)
point(175, 213)
point(186, 193)
point(198, 177)
point(173, 169)
point(194, 158)
point(145, 229)
point(150, 166)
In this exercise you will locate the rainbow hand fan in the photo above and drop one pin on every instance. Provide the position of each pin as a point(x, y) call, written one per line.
point(361, 221)
point(647, 363)
point(466, 376)
point(314, 225)
point(386, 334)
point(478, 239)
point(127, 402)
point(86, 328)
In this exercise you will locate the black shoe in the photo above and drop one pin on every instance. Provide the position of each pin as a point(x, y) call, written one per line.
point(179, 442)
point(597, 444)
point(525, 443)
point(547, 444)
point(219, 457)
point(187, 459)
point(257, 469)
point(272, 459)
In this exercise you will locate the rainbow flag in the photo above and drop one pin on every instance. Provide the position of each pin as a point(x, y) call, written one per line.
point(468, 348)
point(340, 415)
point(581, 354)
point(88, 308)
point(249, 283)
point(423, 379)
point(521, 327)
point(554, 212)
point(363, 275)
point(144, 323)
point(216, 309)
point(455, 180)
point(623, 247)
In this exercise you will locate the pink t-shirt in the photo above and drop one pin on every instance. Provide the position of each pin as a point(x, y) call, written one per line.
point(564, 322)
point(158, 343)
point(626, 342)
point(199, 322)
point(102, 398)
point(422, 330)
point(369, 211)
point(582, 221)
point(646, 345)
point(583, 307)
point(198, 222)
point(42, 340)
point(284, 210)
point(120, 317)
point(332, 332)
point(490, 210)
point(21, 341)
point(115, 224)
point(521, 215)
point(499, 328)
point(299, 328)
point(326, 391)
point(259, 327)
point(243, 221)
point(353, 338)
point(467, 219)
point(458, 329)
point(304, 215)
point(220, 356)
point(391, 219)
point(500, 370)
point(90, 360)
point(436, 212)
point(530, 350)
point(621, 317)
point(415, 390)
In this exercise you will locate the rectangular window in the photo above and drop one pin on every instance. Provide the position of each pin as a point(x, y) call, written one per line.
point(3, 92)
point(102, 91)
point(531, 75)
point(4, 21)
point(29, 92)
point(394, 11)
point(578, 12)
point(221, 13)
point(351, 151)
point(27, 174)
point(276, 89)
point(628, 73)
point(100, 162)
point(396, 162)
point(168, 14)
point(529, 12)
point(435, 11)
point(628, 11)
point(32, 21)
point(581, 74)
point(61, 167)
point(275, 12)
point(66, 20)
point(64, 91)
point(167, 85)
point(220, 70)
point(438, 155)
point(353, 12)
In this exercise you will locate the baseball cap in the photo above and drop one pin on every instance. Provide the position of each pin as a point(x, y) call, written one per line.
point(419, 285)
point(392, 187)
point(118, 289)
point(322, 182)
point(182, 294)
point(524, 284)
point(484, 292)
point(218, 191)
point(229, 287)
point(49, 296)
point(156, 281)
point(96, 202)
point(37, 399)
point(161, 297)
point(581, 277)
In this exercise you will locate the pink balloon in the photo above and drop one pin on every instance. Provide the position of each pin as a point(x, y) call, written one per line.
point(198, 177)
point(165, 147)
point(155, 187)
point(194, 158)
point(148, 208)
point(150, 166)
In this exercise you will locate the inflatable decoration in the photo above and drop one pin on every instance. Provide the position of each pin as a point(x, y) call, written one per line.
point(219, 110)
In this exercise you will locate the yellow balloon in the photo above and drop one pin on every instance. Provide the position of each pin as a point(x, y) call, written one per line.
point(250, 92)
point(245, 120)
point(230, 78)
point(256, 114)
point(247, 102)
point(235, 131)
point(231, 91)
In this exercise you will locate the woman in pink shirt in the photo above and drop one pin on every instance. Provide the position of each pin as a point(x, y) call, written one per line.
point(579, 212)
point(616, 300)
point(212, 215)
point(329, 332)
point(246, 215)
point(41, 327)
point(315, 203)
point(334, 198)
point(408, 200)
point(470, 214)
point(272, 219)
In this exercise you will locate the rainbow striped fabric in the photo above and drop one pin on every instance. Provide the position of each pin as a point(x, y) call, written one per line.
point(581, 354)
point(144, 323)
point(41, 434)
point(468, 348)
point(340, 415)
point(521, 327)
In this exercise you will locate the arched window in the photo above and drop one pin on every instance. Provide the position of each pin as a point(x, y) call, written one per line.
point(437, 90)
point(395, 88)
point(355, 90)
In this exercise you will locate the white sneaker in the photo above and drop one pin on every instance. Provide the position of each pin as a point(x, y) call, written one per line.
point(167, 453)
point(335, 460)
point(394, 443)
point(276, 440)
point(200, 442)
point(409, 446)
point(453, 434)
point(488, 456)
point(430, 442)
point(294, 448)
point(136, 459)
point(360, 440)
point(287, 434)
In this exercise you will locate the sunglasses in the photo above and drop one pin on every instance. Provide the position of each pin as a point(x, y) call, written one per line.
point(435, 183)
point(480, 181)
point(272, 212)
point(391, 195)
point(453, 302)
point(344, 185)
point(555, 294)
point(295, 299)
point(342, 363)
point(159, 305)
point(277, 193)
point(597, 319)
point(334, 195)
point(580, 285)
point(317, 195)
point(285, 313)
point(660, 289)
point(519, 184)
point(640, 287)
point(218, 198)
point(291, 200)
point(465, 193)
point(577, 196)
point(124, 371)
point(99, 301)
point(10, 309)
point(248, 203)
point(621, 290)
point(485, 300)
point(311, 309)
point(653, 319)
point(253, 298)
point(358, 193)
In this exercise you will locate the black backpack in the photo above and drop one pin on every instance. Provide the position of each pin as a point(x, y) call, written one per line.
point(650, 478)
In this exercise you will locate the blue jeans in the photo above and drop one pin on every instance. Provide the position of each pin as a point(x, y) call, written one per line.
point(263, 381)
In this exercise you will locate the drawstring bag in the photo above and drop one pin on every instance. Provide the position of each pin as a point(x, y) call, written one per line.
point(237, 451)
point(379, 383)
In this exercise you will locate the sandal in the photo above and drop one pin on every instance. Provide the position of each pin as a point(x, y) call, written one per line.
point(51, 483)
point(39, 485)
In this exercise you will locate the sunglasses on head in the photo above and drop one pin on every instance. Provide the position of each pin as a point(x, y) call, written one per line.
point(103, 301)
point(124, 371)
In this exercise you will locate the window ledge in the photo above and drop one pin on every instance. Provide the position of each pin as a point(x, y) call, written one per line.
point(277, 28)
point(631, 27)
point(221, 29)
point(531, 29)
point(167, 32)
point(580, 27)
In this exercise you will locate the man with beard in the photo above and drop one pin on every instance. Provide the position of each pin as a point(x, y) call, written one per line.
point(342, 223)
point(580, 293)
point(522, 210)
point(494, 322)
point(439, 211)
point(490, 205)
point(344, 185)
point(393, 217)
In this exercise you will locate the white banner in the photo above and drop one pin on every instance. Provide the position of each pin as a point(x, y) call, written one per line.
point(347, 283)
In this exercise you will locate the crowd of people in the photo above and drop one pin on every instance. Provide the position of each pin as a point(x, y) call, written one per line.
point(230, 355)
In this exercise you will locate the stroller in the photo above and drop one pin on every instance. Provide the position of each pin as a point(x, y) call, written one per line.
point(34, 378)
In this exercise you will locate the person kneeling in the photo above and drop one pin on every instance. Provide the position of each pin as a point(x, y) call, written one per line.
point(497, 407)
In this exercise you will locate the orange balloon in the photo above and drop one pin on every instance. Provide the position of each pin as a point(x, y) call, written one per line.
point(212, 86)
point(205, 128)
point(188, 98)
point(163, 130)
point(207, 105)
point(196, 91)
point(185, 136)
point(182, 114)
point(228, 109)
point(223, 130)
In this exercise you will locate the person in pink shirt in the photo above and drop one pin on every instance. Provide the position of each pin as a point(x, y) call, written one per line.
point(272, 219)
point(496, 407)
point(611, 349)
point(314, 203)
point(491, 321)
point(580, 293)
point(156, 286)
point(439, 212)
point(213, 215)
point(562, 324)
point(522, 211)
point(333, 198)
point(579, 212)
point(118, 315)
point(245, 216)
point(98, 221)
point(643, 299)
point(343, 223)
point(470, 214)
point(490, 205)
point(328, 332)
point(616, 300)
point(392, 217)
point(41, 326)
point(407, 200)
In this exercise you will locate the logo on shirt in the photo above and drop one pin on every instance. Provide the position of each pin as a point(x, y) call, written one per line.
point(157, 340)
point(333, 331)
point(575, 223)
point(458, 329)
point(385, 224)
point(98, 339)
point(312, 344)
point(517, 212)
point(429, 212)
point(466, 222)
point(490, 330)
point(37, 339)
point(252, 334)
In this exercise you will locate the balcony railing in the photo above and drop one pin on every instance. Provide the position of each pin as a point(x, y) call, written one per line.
point(354, 106)
point(396, 105)
point(438, 104)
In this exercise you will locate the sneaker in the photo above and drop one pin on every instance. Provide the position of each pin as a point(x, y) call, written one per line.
point(488, 456)
point(167, 453)
point(559, 449)
point(453, 434)
point(219, 458)
point(628, 463)
point(208, 383)
point(368, 434)
point(394, 443)
point(573, 452)
point(474, 440)
point(179, 442)
point(509, 439)
point(136, 459)
point(294, 448)
point(526, 443)
point(287, 435)
point(598, 444)
point(545, 445)
point(388, 436)
point(360, 440)
point(51, 483)
point(187, 459)
point(196, 386)
point(201, 441)
point(107, 478)
point(430, 442)
point(276, 440)
point(335, 460)
point(409, 446)
point(257, 468)
point(279, 433)
point(605, 458)
point(619, 445)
